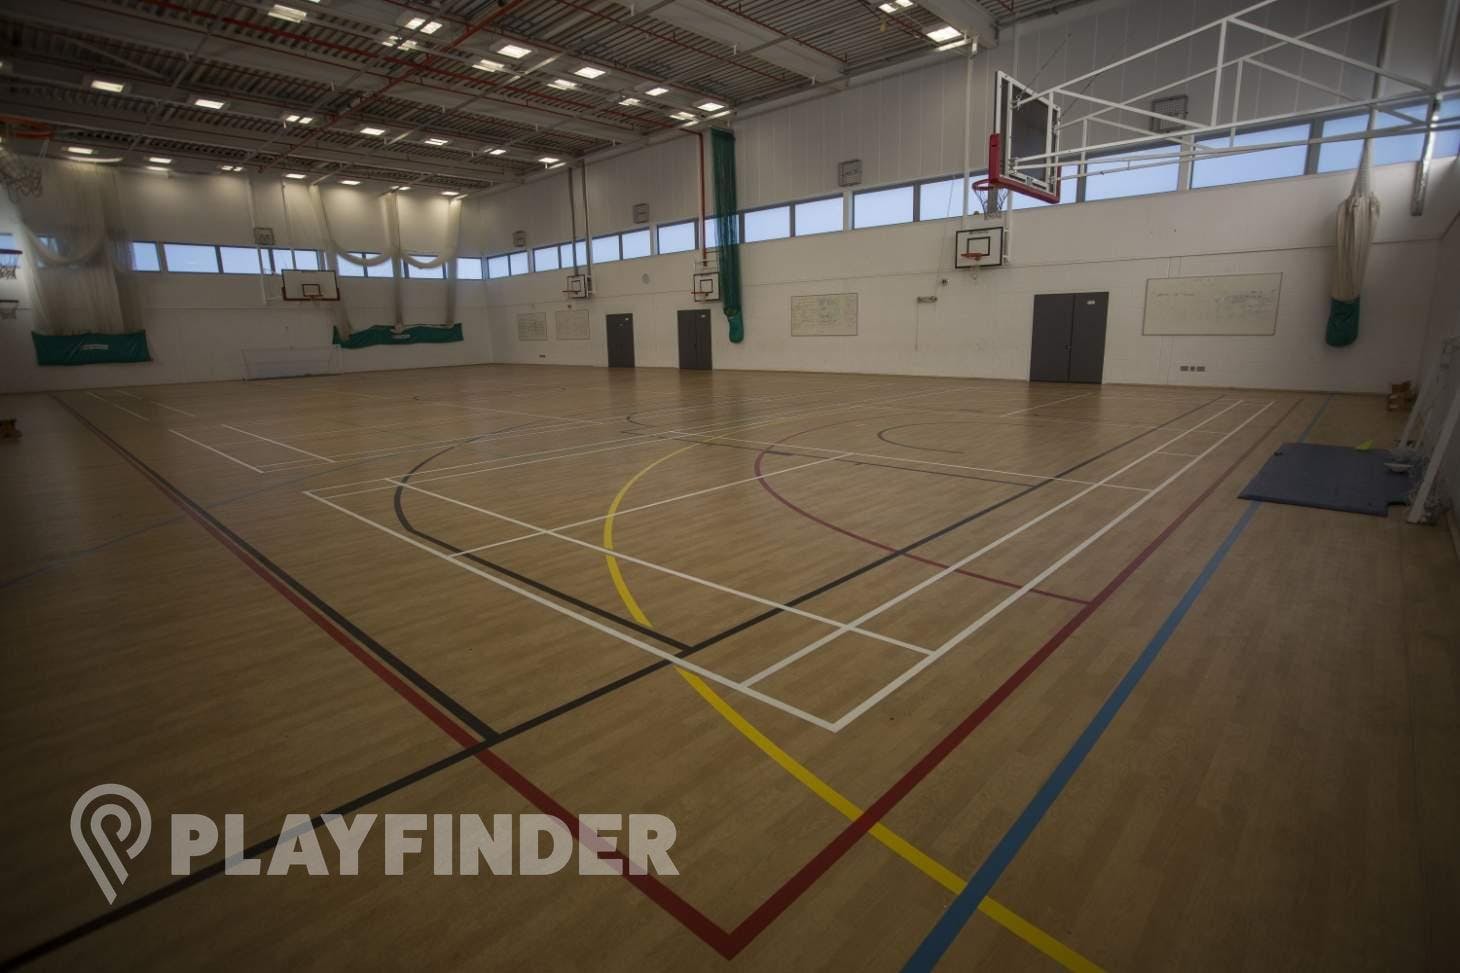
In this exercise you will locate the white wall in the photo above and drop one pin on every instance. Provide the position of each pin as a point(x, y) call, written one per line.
point(981, 327)
point(199, 326)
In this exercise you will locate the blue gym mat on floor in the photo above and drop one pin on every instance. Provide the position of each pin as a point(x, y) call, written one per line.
point(1332, 478)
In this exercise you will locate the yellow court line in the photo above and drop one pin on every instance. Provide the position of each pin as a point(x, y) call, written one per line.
point(900, 846)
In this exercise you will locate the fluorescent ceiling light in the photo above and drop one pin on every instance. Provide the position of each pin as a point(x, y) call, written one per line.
point(349, 182)
point(656, 92)
point(294, 175)
point(80, 150)
point(294, 119)
point(371, 130)
point(548, 160)
point(450, 192)
point(486, 64)
point(630, 102)
point(292, 14)
point(683, 116)
point(400, 189)
point(952, 46)
point(395, 41)
point(895, 7)
point(556, 165)
point(210, 103)
point(161, 160)
point(944, 34)
point(112, 87)
point(159, 168)
point(414, 22)
point(230, 168)
point(709, 106)
point(514, 51)
point(497, 152)
point(590, 72)
point(562, 84)
point(431, 27)
point(438, 141)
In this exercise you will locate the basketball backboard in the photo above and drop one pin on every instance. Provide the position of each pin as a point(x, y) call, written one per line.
point(311, 285)
point(1025, 136)
point(977, 247)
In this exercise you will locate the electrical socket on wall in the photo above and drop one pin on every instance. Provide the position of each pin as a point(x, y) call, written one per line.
point(1193, 368)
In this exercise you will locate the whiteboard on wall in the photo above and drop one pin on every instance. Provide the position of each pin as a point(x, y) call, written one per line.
point(1230, 304)
point(532, 326)
point(824, 314)
point(571, 325)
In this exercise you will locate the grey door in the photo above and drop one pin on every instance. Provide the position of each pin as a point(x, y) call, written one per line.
point(694, 339)
point(620, 341)
point(1068, 340)
point(1049, 351)
point(1087, 338)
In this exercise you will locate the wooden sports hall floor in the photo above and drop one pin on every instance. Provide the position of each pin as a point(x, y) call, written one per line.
point(873, 643)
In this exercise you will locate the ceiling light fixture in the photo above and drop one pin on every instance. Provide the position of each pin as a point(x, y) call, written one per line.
point(514, 51)
point(556, 165)
point(683, 116)
point(212, 104)
point(487, 64)
point(400, 189)
point(548, 160)
point(80, 150)
point(497, 152)
point(295, 175)
point(631, 102)
point(159, 169)
point(450, 192)
point(431, 27)
point(292, 14)
point(438, 141)
point(110, 87)
point(349, 182)
point(589, 72)
point(709, 106)
point(372, 130)
point(161, 160)
point(944, 34)
point(413, 22)
point(227, 167)
point(954, 45)
point(562, 84)
point(656, 92)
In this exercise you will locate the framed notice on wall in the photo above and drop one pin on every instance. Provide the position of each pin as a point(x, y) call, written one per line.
point(532, 326)
point(817, 315)
point(1225, 304)
point(571, 325)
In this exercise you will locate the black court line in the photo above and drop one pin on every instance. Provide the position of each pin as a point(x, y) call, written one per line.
point(217, 868)
point(882, 434)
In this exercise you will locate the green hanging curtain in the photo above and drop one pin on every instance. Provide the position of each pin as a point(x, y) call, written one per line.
point(722, 144)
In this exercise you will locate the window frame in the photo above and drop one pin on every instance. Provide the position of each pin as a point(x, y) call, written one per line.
point(167, 264)
point(790, 209)
point(694, 231)
point(913, 185)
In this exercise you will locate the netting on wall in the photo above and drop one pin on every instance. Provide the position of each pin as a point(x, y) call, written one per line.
point(1432, 436)
point(722, 144)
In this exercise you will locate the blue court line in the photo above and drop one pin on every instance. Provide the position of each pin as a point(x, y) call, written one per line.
point(982, 882)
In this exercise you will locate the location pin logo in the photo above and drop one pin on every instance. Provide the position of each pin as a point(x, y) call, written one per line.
point(105, 802)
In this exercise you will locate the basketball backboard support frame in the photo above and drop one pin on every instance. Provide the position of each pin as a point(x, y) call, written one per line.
point(310, 285)
point(1017, 108)
point(579, 287)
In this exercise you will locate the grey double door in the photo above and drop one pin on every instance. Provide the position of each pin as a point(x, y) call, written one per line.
point(694, 339)
point(1069, 337)
point(620, 340)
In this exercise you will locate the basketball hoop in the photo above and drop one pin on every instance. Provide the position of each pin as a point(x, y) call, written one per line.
point(9, 261)
point(971, 262)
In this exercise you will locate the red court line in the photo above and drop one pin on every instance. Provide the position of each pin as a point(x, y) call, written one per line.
point(730, 943)
point(765, 485)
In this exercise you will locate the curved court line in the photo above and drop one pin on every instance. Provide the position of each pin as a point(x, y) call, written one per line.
point(882, 435)
point(894, 842)
point(1002, 582)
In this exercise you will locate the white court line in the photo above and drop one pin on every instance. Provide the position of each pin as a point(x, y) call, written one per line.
point(645, 506)
point(130, 395)
point(276, 442)
point(962, 562)
point(116, 406)
point(170, 408)
point(632, 440)
point(693, 579)
point(587, 620)
point(988, 616)
point(927, 462)
point(230, 458)
point(1020, 412)
point(1172, 452)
